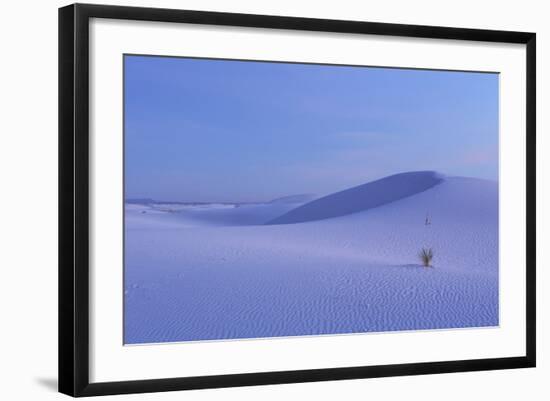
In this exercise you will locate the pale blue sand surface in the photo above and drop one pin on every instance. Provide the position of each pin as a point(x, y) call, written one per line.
point(310, 267)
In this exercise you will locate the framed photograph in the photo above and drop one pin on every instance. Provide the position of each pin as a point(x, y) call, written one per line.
point(250, 199)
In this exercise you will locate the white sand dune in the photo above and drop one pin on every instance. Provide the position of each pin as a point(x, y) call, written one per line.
point(362, 197)
point(214, 214)
point(358, 272)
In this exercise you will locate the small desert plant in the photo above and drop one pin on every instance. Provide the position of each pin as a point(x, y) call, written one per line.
point(426, 255)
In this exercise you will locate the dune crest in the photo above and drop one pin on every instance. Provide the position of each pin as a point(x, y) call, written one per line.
point(363, 197)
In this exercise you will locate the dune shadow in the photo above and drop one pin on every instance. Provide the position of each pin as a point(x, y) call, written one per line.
point(362, 197)
point(49, 383)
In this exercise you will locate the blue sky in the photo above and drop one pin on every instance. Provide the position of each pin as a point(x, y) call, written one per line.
point(214, 130)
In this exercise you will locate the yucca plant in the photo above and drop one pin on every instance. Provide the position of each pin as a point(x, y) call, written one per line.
point(426, 255)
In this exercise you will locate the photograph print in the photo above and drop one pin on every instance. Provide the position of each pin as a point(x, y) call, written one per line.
point(277, 199)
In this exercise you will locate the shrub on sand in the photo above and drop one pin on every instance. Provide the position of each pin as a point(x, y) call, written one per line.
point(426, 255)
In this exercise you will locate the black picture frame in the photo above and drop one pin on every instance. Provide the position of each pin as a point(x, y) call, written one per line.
point(74, 198)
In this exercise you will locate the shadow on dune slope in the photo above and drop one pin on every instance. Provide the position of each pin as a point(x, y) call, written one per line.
point(362, 197)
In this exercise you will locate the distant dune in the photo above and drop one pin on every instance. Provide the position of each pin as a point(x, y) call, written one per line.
point(300, 198)
point(362, 197)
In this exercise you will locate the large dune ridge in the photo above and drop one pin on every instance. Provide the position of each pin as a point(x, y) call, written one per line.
point(362, 197)
point(193, 278)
